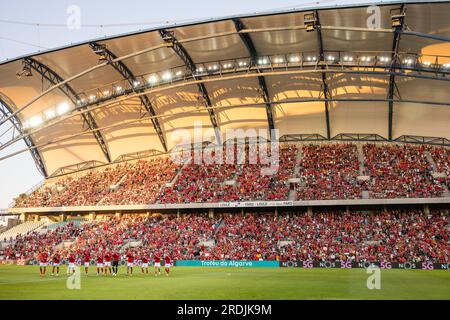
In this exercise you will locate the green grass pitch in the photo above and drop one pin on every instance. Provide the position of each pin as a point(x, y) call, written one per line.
point(23, 282)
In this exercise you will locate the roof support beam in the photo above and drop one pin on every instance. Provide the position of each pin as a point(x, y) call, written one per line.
point(178, 48)
point(394, 62)
point(6, 111)
point(247, 40)
point(54, 79)
point(125, 72)
point(325, 88)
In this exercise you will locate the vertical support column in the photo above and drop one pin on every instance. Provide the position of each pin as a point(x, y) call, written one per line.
point(211, 213)
point(426, 209)
point(118, 215)
point(178, 214)
point(310, 211)
point(62, 217)
point(276, 212)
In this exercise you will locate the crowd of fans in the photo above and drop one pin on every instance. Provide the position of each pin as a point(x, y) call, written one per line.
point(396, 236)
point(329, 172)
point(325, 171)
point(399, 171)
point(240, 179)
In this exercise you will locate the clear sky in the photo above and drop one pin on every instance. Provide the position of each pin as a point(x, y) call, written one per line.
point(28, 26)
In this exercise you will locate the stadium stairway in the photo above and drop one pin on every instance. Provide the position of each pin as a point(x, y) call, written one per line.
point(22, 228)
point(435, 174)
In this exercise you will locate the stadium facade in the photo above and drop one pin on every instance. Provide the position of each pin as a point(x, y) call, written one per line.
point(374, 73)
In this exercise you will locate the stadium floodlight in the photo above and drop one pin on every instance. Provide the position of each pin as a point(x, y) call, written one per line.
point(26, 125)
point(310, 21)
point(227, 65)
point(330, 58)
point(118, 89)
point(242, 63)
point(200, 70)
point(49, 114)
point(35, 121)
point(106, 93)
point(92, 97)
point(25, 70)
point(262, 61)
point(278, 60)
point(152, 79)
point(408, 61)
point(348, 58)
point(62, 108)
point(179, 73)
point(397, 17)
point(167, 76)
point(136, 83)
point(294, 59)
point(446, 65)
point(426, 63)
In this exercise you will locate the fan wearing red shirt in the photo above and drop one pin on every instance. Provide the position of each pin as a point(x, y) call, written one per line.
point(157, 261)
point(130, 263)
point(115, 263)
point(43, 260)
point(144, 263)
point(167, 264)
point(100, 264)
point(107, 263)
point(56, 263)
point(87, 259)
point(71, 267)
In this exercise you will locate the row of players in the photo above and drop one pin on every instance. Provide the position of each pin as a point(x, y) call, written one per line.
point(108, 261)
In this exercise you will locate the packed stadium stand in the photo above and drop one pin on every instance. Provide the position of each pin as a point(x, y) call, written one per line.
point(392, 235)
point(21, 229)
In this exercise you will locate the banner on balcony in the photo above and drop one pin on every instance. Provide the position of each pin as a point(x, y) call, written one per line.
point(227, 263)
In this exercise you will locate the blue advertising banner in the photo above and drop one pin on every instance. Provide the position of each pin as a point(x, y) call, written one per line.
point(227, 263)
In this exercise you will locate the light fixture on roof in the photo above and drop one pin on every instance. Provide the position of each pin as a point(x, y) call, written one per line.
point(294, 59)
point(62, 108)
point(106, 93)
point(153, 79)
point(49, 114)
point(92, 97)
point(262, 61)
point(330, 58)
point(136, 83)
point(407, 61)
point(199, 69)
point(118, 89)
point(427, 63)
point(310, 21)
point(227, 65)
point(35, 121)
point(278, 60)
point(167, 76)
point(25, 71)
point(242, 63)
point(383, 59)
point(26, 125)
point(397, 17)
point(446, 65)
point(179, 73)
point(348, 58)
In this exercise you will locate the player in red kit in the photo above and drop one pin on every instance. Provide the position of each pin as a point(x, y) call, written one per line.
point(144, 263)
point(167, 264)
point(107, 263)
point(56, 263)
point(130, 262)
point(157, 261)
point(115, 262)
point(87, 259)
point(71, 268)
point(100, 264)
point(43, 260)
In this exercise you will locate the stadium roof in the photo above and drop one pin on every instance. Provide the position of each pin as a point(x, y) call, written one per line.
point(99, 100)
